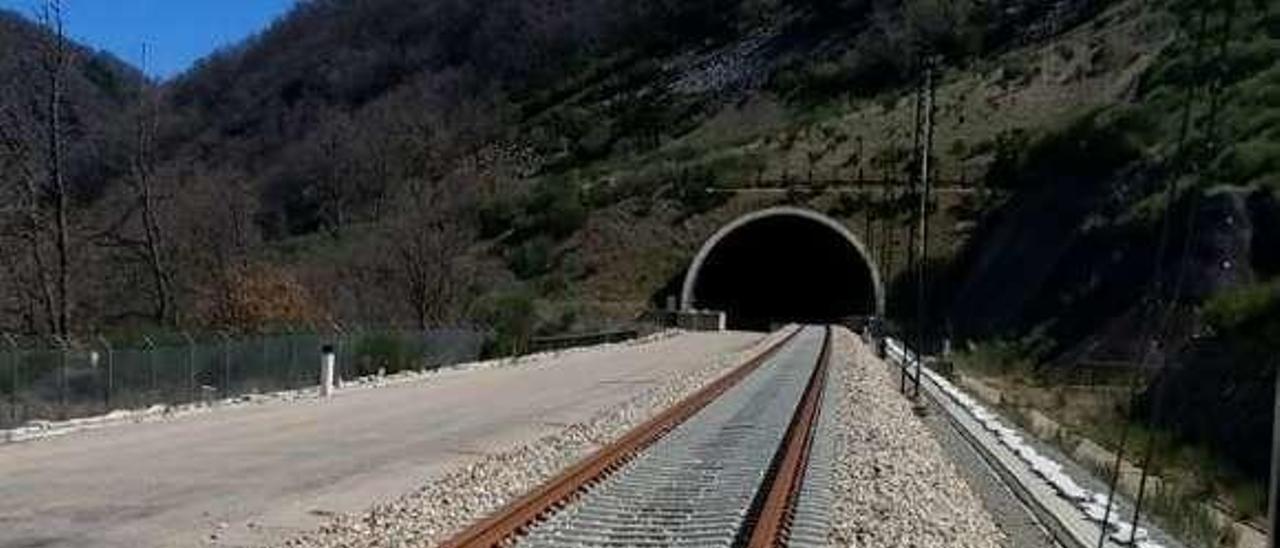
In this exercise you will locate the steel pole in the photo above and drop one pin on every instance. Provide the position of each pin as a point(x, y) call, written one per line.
point(1274, 519)
point(922, 310)
point(912, 234)
point(866, 205)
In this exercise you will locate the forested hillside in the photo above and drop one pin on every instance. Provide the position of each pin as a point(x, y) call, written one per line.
point(394, 162)
point(437, 162)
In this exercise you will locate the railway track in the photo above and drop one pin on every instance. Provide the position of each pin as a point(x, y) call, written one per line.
point(742, 462)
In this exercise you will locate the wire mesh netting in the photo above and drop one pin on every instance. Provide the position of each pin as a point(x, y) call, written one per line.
point(58, 379)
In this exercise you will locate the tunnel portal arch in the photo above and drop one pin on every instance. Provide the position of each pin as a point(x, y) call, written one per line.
point(820, 248)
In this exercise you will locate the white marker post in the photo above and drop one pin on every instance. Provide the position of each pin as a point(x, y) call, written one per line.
point(326, 371)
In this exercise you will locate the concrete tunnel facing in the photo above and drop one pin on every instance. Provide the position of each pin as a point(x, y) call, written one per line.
point(783, 265)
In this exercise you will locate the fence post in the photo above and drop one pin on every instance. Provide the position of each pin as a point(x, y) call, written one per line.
point(62, 343)
point(191, 367)
point(110, 385)
point(293, 358)
point(353, 340)
point(226, 363)
point(13, 377)
point(264, 369)
point(150, 348)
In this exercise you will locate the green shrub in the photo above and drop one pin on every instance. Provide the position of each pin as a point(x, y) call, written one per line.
point(497, 216)
point(554, 285)
point(693, 190)
point(1231, 309)
point(1247, 321)
point(1011, 357)
point(385, 351)
point(532, 258)
point(1186, 517)
point(1250, 499)
point(1245, 60)
point(847, 204)
point(563, 323)
point(554, 209)
point(995, 357)
point(1249, 161)
point(511, 317)
point(1007, 150)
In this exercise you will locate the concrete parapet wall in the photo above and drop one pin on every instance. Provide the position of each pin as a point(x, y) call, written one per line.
point(701, 320)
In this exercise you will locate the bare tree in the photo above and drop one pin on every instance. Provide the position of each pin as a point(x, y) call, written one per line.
point(334, 175)
point(25, 220)
point(55, 58)
point(429, 240)
point(213, 232)
point(142, 182)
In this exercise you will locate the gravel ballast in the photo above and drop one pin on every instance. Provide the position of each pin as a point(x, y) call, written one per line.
point(894, 484)
point(429, 515)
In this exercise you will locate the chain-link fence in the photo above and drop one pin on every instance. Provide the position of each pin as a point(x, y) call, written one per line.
point(58, 379)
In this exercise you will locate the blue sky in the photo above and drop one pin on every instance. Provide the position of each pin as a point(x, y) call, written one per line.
point(178, 32)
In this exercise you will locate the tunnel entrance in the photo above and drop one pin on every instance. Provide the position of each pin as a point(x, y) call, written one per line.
point(783, 265)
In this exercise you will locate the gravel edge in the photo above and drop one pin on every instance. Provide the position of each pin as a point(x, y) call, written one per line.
point(895, 484)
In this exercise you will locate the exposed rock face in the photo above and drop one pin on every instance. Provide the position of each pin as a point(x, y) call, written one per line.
point(1219, 389)
point(1221, 252)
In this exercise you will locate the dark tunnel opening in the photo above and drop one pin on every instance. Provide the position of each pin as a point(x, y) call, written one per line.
point(784, 268)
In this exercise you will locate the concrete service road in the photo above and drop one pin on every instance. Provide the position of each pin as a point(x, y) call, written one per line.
point(260, 473)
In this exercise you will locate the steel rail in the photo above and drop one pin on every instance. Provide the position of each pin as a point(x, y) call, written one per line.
point(516, 517)
point(775, 512)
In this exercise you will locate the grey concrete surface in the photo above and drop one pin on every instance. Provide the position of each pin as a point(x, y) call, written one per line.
point(256, 474)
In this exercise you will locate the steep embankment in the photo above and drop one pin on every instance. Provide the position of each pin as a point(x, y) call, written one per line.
point(1088, 263)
